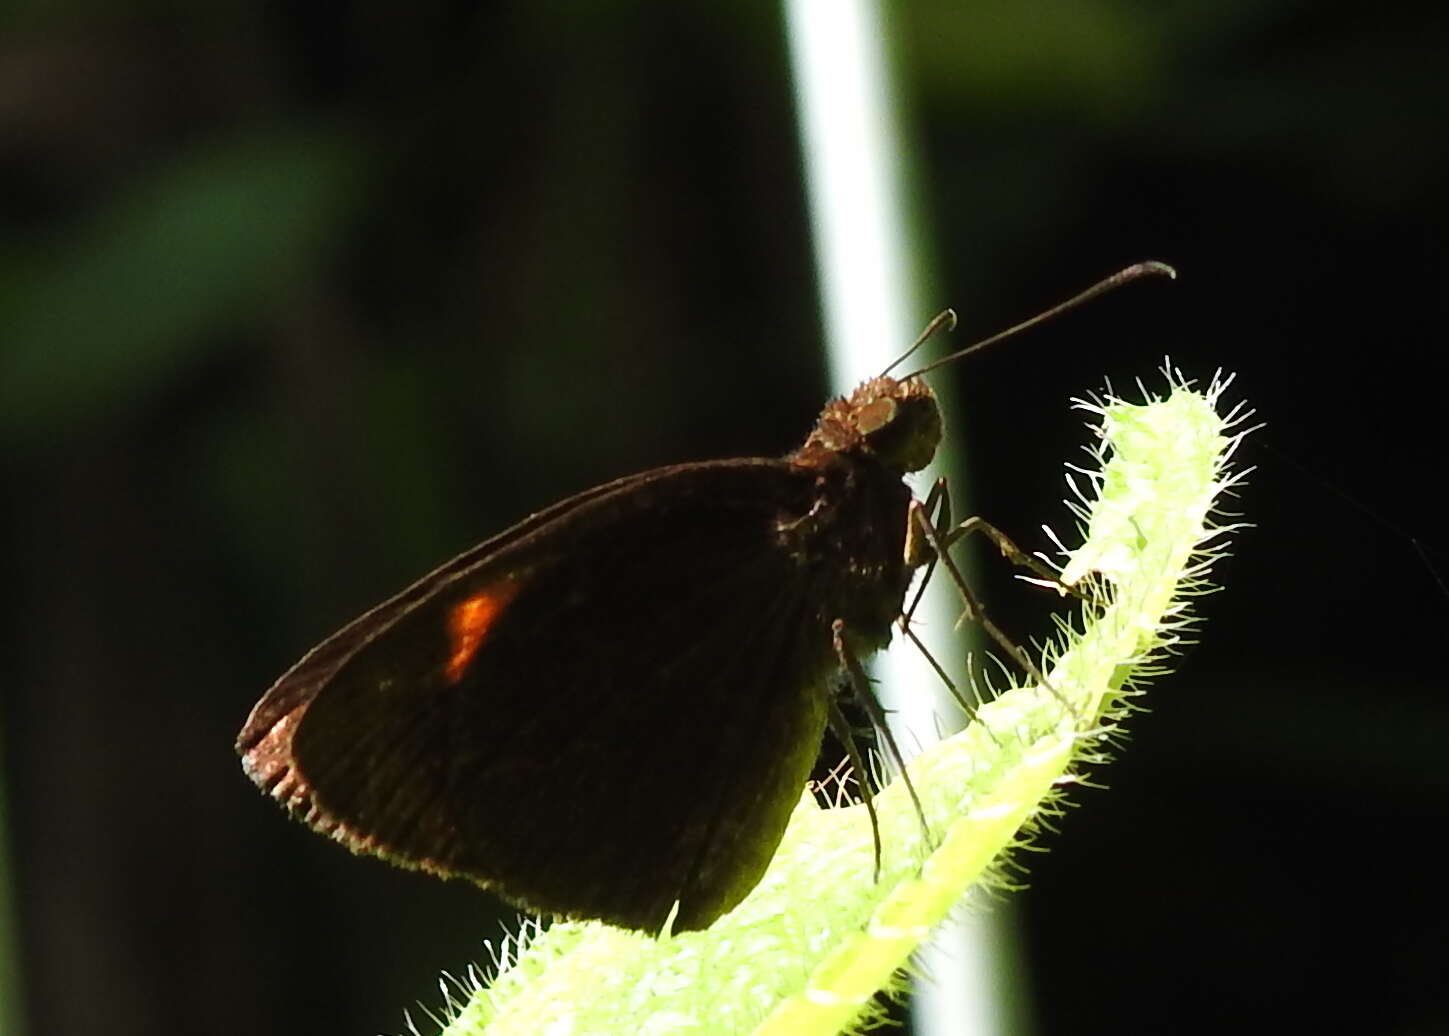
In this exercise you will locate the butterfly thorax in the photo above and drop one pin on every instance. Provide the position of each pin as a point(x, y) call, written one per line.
point(850, 540)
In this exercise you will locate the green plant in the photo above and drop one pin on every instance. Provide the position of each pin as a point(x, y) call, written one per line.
point(809, 948)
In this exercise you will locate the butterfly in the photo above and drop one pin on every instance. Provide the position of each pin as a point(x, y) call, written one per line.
point(610, 710)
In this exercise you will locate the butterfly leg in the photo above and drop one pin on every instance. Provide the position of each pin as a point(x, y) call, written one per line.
point(918, 549)
point(919, 554)
point(840, 726)
point(854, 672)
point(929, 535)
point(975, 612)
point(1011, 552)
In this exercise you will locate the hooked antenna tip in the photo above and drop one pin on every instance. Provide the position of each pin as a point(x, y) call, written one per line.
point(1149, 268)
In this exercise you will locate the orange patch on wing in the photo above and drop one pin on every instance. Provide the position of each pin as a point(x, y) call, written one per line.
point(469, 622)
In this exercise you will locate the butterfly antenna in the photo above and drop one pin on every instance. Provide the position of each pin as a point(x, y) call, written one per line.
point(1135, 272)
point(946, 319)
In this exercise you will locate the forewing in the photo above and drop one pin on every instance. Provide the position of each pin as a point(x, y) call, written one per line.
point(299, 685)
point(612, 710)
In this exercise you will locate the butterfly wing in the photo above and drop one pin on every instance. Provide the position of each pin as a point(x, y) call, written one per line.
point(607, 709)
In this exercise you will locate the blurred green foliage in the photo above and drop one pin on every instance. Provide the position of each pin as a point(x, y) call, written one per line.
point(102, 315)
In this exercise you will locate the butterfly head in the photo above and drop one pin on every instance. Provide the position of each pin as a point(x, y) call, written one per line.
point(896, 422)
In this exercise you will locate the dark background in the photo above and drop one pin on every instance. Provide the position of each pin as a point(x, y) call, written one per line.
point(295, 304)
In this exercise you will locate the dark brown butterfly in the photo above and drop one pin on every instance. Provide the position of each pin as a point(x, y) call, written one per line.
point(612, 707)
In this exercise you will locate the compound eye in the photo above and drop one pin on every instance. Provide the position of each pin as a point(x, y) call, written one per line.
point(874, 416)
point(907, 438)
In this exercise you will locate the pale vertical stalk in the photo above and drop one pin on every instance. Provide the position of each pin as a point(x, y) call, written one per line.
point(870, 272)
